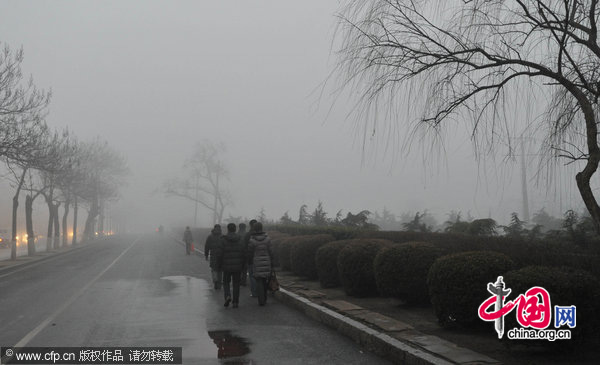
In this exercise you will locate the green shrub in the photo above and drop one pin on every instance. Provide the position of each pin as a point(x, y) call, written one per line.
point(326, 261)
point(283, 253)
point(339, 232)
point(394, 236)
point(303, 252)
point(522, 251)
point(566, 286)
point(276, 239)
point(401, 271)
point(458, 284)
point(355, 266)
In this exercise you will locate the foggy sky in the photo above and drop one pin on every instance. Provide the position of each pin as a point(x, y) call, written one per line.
point(154, 77)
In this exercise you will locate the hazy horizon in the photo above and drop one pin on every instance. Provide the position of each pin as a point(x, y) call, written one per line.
point(153, 78)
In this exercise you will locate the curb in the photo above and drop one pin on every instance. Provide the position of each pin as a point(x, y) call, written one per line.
point(376, 342)
point(413, 348)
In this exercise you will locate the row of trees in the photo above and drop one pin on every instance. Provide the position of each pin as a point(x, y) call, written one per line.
point(53, 165)
point(319, 218)
point(574, 227)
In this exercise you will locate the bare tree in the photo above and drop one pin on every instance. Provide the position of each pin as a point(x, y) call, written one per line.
point(103, 169)
point(456, 60)
point(22, 112)
point(202, 182)
point(22, 105)
point(59, 153)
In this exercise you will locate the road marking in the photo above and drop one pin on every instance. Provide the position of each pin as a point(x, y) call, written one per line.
point(25, 340)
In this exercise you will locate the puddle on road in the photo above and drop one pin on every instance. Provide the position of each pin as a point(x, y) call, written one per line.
point(187, 296)
point(230, 345)
point(188, 284)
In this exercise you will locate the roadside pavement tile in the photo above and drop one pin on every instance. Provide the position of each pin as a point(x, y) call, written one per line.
point(312, 294)
point(292, 285)
point(341, 305)
point(384, 322)
point(449, 350)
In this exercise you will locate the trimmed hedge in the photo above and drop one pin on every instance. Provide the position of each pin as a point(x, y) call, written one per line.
point(355, 266)
point(283, 253)
point(458, 284)
point(302, 254)
point(339, 232)
point(401, 271)
point(566, 286)
point(276, 239)
point(326, 260)
point(523, 252)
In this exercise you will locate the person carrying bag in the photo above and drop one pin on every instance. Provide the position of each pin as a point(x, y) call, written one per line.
point(273, 283)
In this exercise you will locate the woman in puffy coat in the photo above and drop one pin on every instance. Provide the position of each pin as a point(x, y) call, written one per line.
point(211, 248)
point(261, 256)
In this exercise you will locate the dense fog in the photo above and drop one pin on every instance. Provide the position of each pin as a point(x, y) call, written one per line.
point(154, 78)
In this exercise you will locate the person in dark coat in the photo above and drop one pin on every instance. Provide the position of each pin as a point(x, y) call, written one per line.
point(250, 266)
point(232, 260)
point(211, 248)
point(242, 233)
point(187, 238)
point(261, 256)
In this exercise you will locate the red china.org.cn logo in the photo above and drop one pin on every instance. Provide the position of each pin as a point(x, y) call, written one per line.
point(533, 311)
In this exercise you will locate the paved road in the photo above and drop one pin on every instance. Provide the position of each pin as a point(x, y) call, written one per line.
point(144, 291)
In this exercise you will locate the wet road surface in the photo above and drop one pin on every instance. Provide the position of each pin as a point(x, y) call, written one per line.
point(144, 291)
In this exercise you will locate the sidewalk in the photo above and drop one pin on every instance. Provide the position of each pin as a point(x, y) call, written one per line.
point(7, 264)
point(408, 335)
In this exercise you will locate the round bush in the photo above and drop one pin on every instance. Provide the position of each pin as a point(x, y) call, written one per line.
point(303, 252)
point(355, 266)
point(567, 286)
point(283, 253)
point(326, 261)
point(458, 284)
point(276, 239)
point(401, 271)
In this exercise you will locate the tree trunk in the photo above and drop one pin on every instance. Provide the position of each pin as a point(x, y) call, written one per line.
point(90, 222)
point(101, 219)
point(13, 246)
point(56, 227)
point(74, 241)
point(29, 225)
point(65, 229)
point(215, 206)
point(583, 178)
point(50, 221)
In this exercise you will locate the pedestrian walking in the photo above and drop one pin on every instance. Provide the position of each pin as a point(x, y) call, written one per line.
point(188, 239)
point(242, 233)
point(211, 249)
point(261, 256)
point(250, 265)
point(232, 259)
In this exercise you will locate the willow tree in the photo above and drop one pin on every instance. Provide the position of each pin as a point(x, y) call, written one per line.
point(459, 61)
